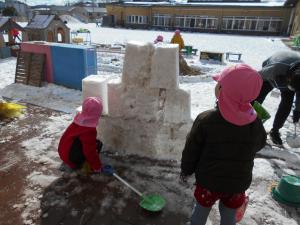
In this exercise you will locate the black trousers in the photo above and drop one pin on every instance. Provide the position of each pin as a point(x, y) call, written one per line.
point(76, 155)
point(285, 105)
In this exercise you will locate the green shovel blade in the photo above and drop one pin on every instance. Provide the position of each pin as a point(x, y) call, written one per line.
point(262, 113)
point(152, 202)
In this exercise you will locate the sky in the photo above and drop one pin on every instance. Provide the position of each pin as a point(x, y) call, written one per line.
point(47, 2)
point(63, 2)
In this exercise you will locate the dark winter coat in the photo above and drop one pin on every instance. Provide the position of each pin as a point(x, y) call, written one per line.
point(275, 70)
point(222, 154)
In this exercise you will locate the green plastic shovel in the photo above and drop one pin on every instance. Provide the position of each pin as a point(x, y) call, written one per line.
point(262, 113)
point(151, 202)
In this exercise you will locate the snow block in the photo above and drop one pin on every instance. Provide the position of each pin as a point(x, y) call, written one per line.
point(42, 48)
point(165, 67)
point(137, 64)
point(114, 92)
point(177, 106)
point(170, 140)
point(147, 120)
point(154, 140)
point(72, 63)
point(141, 104)
point(96, 86)
point(127, 136)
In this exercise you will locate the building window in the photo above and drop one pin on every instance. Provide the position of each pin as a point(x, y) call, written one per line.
point(162, 20)
point(197, 22)
point(261, 24)
point(134, 19)
point(60, 35)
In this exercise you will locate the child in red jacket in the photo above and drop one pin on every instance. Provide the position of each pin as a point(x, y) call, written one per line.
point(78, 144)
point(15, 34)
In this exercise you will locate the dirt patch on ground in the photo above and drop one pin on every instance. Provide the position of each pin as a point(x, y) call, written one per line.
point(14, 166)
point(74, 198)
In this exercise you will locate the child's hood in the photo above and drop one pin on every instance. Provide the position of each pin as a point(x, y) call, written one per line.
point(240, 85)
point(91, 111)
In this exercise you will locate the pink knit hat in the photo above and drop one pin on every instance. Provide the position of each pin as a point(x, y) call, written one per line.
point(159, 38)
point(240, 85)
point(91, 112)
point(177, 31)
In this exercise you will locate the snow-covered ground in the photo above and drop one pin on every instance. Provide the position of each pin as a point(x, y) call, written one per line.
point(271, 163)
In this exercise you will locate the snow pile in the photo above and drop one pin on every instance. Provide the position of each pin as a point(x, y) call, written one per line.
point(7, 72)
point(147, 112)
point(50, 96)
point(69, 19)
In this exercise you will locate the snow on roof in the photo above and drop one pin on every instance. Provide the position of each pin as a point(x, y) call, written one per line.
point(69, 19)
point(6, 23)
point(40, 21)
point(3, 20)
point(95, 9)
point(253, 4)
point(62, 8)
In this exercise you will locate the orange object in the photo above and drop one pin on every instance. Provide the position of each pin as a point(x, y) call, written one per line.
point(177, 39)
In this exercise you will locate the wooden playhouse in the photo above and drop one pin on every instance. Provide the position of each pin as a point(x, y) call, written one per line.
point(7, 24)
point(48, 28)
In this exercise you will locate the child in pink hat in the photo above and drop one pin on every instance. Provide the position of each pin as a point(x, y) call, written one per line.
point(222, 144)
point(159, 39)
point(78, 144)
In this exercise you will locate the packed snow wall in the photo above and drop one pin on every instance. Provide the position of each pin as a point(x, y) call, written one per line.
point(148, 114)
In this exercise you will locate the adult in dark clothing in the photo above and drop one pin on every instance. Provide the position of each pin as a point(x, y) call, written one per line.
point(282, 71)
point(222, 144)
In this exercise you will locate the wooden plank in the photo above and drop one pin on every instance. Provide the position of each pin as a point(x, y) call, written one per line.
point(29, 69)
point(20, 74)
point(21, 79)
point(37, 69)
point(211, 56)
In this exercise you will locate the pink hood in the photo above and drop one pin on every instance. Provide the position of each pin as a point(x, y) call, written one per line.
point(240, 85)
point(91, 112)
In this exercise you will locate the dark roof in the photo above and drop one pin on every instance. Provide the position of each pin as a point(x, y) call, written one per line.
point(6, 23)
point(3, 20)
point(290, 2)
point(42, 21)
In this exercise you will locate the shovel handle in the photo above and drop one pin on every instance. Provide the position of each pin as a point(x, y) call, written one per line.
point(128, 185)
